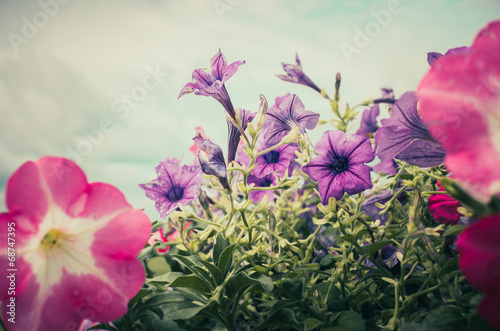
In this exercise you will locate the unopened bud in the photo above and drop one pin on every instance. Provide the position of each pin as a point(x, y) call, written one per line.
point(261, 115)
point(205, 204)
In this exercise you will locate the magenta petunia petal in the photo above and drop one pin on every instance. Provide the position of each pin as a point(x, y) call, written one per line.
point(459, 101)
point(444, 208)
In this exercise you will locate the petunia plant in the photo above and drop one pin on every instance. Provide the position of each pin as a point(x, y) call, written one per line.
point(390, 221)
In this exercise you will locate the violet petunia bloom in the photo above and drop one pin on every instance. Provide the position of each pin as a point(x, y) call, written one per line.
point(267, 181)
point(339, 167)
point(387, 96)
point(75, 248)
point(175, 184)
point(404, 136)
point(234, 134)
point(294, 74)
point(433, 56)
point(289, 114)
point(277, 161)
point(388, 167)
point(210, 81)
point(369, 121)
point(460, 103)
point(212, 160)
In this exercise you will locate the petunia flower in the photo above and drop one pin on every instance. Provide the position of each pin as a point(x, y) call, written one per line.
point(212, 160)
point(443, 207)
point(369, 123)
point(210, 81)
point(194, 148)
point(387, 96)
point(405, 137)
point(277, 161)
point(479, 250)
point(294, 74)
point(174, 184)
point(370, 208)
point(388, 167)
point(460, 102)
point(433, 56)
point(234, 134)
point(339, 167)
point(162, 237)
point(289, 114)
point(68, 236)
point(267, 181)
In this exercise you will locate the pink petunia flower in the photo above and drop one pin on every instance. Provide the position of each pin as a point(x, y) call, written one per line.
point(460, 104)
point(479, 250)
point(68, 238)
point(443, 207)
point(170, 236)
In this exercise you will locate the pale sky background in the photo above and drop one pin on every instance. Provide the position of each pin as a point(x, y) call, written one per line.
point(64, 77)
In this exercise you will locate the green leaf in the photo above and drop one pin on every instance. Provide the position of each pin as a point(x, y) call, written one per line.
point(347, 321)
point(294, 287)
point(450, 266)
point(226, 259)
point(192, 282)
point(148, 252)
point(445, 318)
point(160, 299)
point(220, 245)
point(214, 271)
point(282, 318)
point(349, 237)
point(312, 323)
point(180, 310)
point(406, 176)
point(266, 282)
point(453, 230)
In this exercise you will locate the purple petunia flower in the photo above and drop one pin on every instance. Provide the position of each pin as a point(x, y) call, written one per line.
point(234, 134)
point(295, 74)
point(210, 81)
point(267, 181)
point(369, 121)
point(433, 56)
point(339, 166)
point(276, 161)
point(388, 167)
point(287, 115)
point(175, 184)
point(404, 136)
point(387, 96)
point(212, 160)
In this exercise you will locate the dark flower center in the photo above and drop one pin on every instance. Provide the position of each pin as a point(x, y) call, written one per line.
point(175, 193)
point(272, 157)
point(339, 166)
point(266, 182)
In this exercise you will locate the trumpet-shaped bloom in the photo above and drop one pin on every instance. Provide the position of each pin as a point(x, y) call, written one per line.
point(234, 134)
point(68, 236)
point(479, 250)
point(161, 236)
point(288, 114)
point(194, 148)
point(277, 161)
point(210, 81)
point(433, 56)
point(339, 166)
point(443, 207)
point(212, 160)
point(460, 103)
point(369, 123)
point(267, 181)
point(405, 137)
point(174, 184)
point(294, 74)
